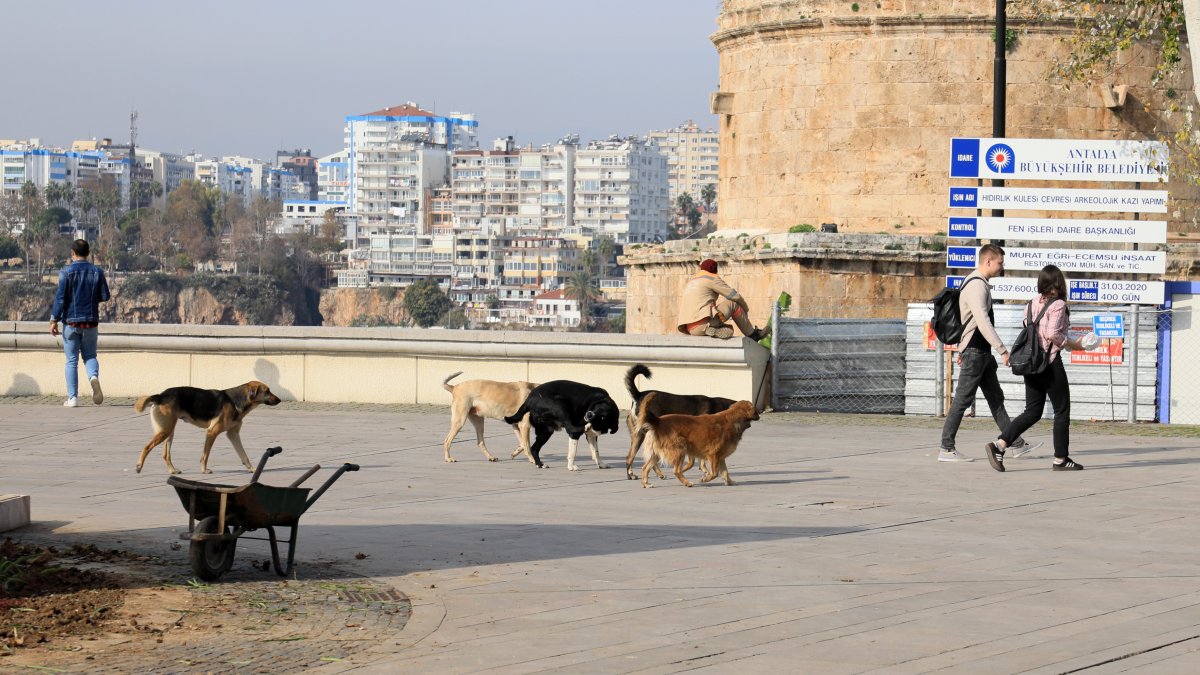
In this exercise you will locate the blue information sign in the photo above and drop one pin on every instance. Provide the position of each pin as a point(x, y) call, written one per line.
point(1108, 325)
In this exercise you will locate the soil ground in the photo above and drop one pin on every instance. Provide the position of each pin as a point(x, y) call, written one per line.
point(76, 608)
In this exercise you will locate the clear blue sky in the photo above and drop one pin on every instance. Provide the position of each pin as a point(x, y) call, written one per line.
point(224, 77)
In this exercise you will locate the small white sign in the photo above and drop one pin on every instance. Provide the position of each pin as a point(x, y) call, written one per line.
point(1059, 199)
point(1058, 159)
point(1078, 290)
point(1067, 260)
point(1058, 229)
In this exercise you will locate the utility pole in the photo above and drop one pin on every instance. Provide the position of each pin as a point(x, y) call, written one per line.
point(999, 84)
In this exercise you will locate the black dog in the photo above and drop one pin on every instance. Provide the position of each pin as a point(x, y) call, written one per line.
point(577, 408)
point(662, 403)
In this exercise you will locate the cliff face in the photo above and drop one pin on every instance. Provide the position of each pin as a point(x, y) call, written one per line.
point(360, 306)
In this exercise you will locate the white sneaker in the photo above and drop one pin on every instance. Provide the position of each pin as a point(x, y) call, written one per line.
point(97, 393)
point(1022, 447)
point(953, 456)
point(70, 403)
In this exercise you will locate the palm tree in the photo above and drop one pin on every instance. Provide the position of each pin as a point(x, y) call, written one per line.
point(605, 246)
point(583, 287)
point(708, 195)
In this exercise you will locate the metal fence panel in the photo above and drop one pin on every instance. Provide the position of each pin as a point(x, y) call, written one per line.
point(839, 365)
point(1098, 392)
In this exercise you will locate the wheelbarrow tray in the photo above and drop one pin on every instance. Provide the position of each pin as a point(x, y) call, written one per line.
point(249, 506)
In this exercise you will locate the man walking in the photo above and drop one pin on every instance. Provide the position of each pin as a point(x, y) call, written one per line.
point(708, 302)
point(977, 366)
point(81, 289)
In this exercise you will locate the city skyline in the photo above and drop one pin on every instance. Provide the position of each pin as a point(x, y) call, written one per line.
point(223, 83)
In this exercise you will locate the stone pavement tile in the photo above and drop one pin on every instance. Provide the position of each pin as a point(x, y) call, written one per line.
point(840, 540)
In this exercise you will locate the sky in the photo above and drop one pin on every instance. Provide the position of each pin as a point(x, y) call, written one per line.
point(251, 77)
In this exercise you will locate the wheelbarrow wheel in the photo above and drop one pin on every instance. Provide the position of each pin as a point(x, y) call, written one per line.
point(213, 557)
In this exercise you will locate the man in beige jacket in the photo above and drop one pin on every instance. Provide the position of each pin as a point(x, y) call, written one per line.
point(708, 302)
point(977, 366)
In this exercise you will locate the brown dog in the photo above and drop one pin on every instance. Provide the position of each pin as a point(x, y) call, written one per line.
point(708, 438)
point(474, 400)
point(214, 410)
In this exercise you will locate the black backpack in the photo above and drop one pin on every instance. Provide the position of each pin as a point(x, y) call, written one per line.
point(1027, 356)
point(947, 323)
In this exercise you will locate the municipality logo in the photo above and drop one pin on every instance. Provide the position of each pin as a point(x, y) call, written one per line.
point(1000, 159)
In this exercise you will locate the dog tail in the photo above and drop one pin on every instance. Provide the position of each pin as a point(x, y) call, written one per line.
point(521, 412)
point(631, 381)
point(446, 382)
point(143, 401)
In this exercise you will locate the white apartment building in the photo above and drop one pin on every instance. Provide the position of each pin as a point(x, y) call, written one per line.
point(547, 188)
point(303, 215)
point(621, 192)
point(555, 309)
point(692, 157)
point(232, 179)
point(539, 262)
point(485, 187)
point(333, 177)
point(29, 161)
point(283, 184)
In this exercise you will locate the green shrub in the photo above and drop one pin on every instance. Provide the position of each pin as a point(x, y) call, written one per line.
point(894, 247)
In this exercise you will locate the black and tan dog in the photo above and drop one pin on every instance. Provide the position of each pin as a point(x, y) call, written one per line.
point(577, 408)
point(214, 410)
point(661, 403)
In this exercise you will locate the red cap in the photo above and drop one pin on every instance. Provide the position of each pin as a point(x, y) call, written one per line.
point(709, 265)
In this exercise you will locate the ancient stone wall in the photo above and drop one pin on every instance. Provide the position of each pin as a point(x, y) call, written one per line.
point(834, 115)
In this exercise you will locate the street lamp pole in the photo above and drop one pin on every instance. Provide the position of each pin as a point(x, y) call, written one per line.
point(999, 82)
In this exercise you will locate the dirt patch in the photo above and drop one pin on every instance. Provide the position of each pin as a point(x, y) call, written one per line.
point(86, 609)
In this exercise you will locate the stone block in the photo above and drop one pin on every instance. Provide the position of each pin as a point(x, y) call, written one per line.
point(14, 512)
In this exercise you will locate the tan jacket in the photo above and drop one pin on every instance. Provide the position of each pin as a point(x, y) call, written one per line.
point(699, 295)
point(974, 301)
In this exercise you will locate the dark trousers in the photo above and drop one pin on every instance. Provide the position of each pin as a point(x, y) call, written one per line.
point(1050, 383)
point(978, 371)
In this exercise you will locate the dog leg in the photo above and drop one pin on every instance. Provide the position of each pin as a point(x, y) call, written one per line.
point(541, 436)
point(236, 439)
point(477, 422)
point(209, 438)
point(636, 436)
point(725, 473)
point(594, 445)
point(646, 472)
point(158, 437)
point(522, 431)
point(457, 419)
point(167, 455)
point(679, 474)
point(572, 448)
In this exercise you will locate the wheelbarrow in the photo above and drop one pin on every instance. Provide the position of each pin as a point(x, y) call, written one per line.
point(219, 514)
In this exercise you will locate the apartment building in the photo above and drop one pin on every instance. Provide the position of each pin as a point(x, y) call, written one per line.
point(232, 179)
point(539, 262)
point(486, 188)
point(621, 192)
point(547, 188)
point(283, 184)
point(692, 157)
point(167, 169)
point(23, 161)
point(333, 178)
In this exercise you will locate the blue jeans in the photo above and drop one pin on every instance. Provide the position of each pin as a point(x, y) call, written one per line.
point(978, 371)
point(76, 340)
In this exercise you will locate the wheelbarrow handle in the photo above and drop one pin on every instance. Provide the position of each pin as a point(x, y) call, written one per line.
point(270, 452)
point(321, 490)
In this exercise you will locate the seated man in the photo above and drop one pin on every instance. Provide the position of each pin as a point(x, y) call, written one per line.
point(708, 302)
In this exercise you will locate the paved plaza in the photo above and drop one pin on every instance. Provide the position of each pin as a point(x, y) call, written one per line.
point(844, 547)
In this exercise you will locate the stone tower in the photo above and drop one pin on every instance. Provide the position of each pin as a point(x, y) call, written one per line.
point(840, 112)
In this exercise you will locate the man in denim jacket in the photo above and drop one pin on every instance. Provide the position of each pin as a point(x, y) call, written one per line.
point(81, 289)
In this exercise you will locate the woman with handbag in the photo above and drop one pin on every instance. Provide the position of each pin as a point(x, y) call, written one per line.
point(1052, 332)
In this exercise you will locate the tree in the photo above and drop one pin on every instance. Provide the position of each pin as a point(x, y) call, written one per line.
point(708, 195)
point(253, 232)
point(190, 212)
point(1107, 31)
point(605, 248)
point(583, 288)
point(684, 204)
point(31, 205)
point(426, 303)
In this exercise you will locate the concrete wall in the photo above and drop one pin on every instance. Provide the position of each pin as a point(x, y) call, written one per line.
point(373, 365)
